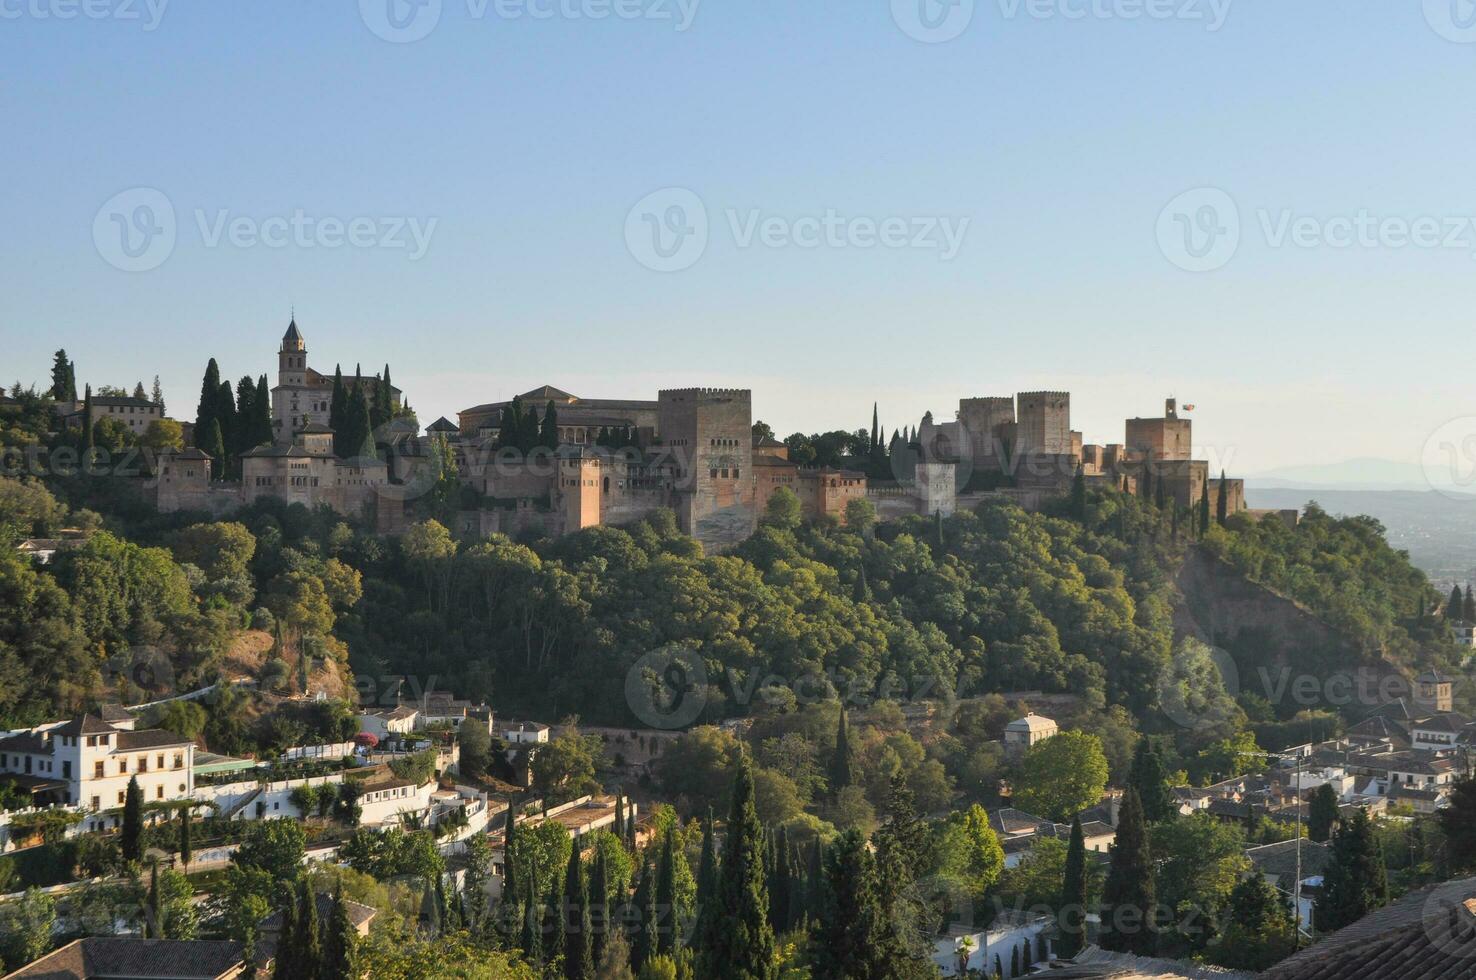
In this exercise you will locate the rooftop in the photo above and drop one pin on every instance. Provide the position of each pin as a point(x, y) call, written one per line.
point(118, 958)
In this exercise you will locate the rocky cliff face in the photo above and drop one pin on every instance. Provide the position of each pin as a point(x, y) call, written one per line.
point(1273, 640)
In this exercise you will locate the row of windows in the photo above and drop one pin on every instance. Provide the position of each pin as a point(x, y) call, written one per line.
point(123, 795)
point(737, 474)
point(143, 765)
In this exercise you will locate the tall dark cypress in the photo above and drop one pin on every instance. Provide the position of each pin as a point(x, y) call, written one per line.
point(851, 938)
point(207, 410)
point(579, 939)
point(599, 904)
point(744, 946)
point(842, 773)
point(186, 842)
point(1071, 914)
point(63, 382)
point(1149, 778)
point(246, 409)
point(1454, 606)
point(89, 438)
point(225, 414)
point(666, 923)
point(337, 409)
point(285, 965)
point(779, 883)
point(307, 943)
point(548, 435)
point(707, 885)
point(1355, 881)
point(130, 837)
point(643, 929)
point(531, 921)
point(1204, 509)
point(815, 879)
point(262, 433)
point(340, 943)
point(1222, 504)
point(1128, 897)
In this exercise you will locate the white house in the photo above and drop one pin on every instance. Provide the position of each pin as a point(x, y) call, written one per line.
point(525, 733)
point(1022, 733)
point(383, 722)
point(89, 762)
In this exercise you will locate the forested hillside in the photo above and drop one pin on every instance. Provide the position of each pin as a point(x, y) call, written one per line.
point(1079, 601)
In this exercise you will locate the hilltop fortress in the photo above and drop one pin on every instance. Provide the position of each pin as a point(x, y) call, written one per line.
point(691, 451)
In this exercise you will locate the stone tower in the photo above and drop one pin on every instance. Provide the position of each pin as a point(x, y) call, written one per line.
point(709, 432)
point(292, 358)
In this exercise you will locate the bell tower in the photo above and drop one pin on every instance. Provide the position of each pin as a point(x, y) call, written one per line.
point(292, 358)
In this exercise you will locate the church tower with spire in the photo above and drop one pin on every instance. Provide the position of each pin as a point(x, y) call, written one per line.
point(292, 358)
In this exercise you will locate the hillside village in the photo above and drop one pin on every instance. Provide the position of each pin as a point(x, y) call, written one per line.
point(255, 775)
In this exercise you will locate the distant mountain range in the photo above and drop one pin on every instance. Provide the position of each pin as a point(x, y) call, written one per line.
point(1351, 474)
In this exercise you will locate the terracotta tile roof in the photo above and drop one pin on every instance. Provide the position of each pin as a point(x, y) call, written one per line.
point(121, 958)
point(1430, 934)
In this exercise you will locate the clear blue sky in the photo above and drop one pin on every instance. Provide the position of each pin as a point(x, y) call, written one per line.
point(529, 142)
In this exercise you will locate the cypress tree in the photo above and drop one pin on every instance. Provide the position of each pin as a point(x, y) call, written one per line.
point(1148, 777)
point(307, 945)
point(528, 430)
point(998, 969)
point(1468, 607)
point(1128, 896)
point(63, 383)
point(1071, 915)
point(88, 436)
point(666, 925)
point(548, 436)
point(842, 773)
point(850, 939)
point(337, 409)
point(779, 883)
point(531, 920)
point(599, 904)
point(1204, 509)
point(207, 410)
point(1355, 882)
point(157, 395)
point(340, 943)
point(213, 445)
point(130, 837)
point(246, 410)
point(225, 414)
point(1322, 813)
point(1222, 503)
point(872, 446)
point(643, 929)
point(707, 885)
point(153, 922)
point(286, 965)
point(815, 879)
point(744, 947)
point(186, 845)
point(1015, 961)
point(1454, 606)
point(620, 816)
point(579, 939)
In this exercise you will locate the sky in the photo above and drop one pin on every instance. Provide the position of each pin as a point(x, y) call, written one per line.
point(1261, 208)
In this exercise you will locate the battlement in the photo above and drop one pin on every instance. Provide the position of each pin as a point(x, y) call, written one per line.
point(1044, 394)
point(705, 393)
point(989, 401)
